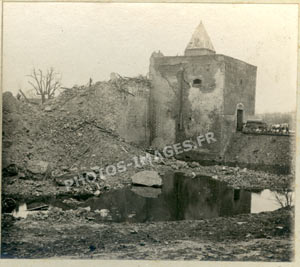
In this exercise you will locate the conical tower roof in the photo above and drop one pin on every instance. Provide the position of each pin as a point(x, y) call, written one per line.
point(200, 42)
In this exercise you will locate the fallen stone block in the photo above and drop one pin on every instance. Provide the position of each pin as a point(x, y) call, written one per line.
point(147, 178)
point(38, 168)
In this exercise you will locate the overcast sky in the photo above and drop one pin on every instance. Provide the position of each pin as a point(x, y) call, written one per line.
point(86, 40)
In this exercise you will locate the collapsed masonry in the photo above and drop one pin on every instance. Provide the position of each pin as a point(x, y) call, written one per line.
point(82, 127)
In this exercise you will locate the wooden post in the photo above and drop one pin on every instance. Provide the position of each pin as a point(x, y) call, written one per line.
point(24, 96)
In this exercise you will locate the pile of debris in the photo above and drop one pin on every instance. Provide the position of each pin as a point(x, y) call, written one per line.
point(78, 129)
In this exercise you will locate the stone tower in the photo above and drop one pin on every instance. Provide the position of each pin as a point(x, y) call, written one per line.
point(197, 93)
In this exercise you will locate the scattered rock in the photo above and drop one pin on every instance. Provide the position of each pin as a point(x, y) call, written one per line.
point(38, 166)
point(22, 175)
point(97, 193)
point(62, 180)
point(102, 177)
point(194, 164)
point(103, 212)
point(71, 201)
point(181, 164)
point(91, 176)
point(57, 173)
point(74, 169)
point(64, 168)
point(174, 167)
point(159, 160)
point(82, 210)
point(48, 109)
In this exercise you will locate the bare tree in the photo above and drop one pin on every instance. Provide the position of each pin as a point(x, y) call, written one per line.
point(45, 85)
point(284, 197)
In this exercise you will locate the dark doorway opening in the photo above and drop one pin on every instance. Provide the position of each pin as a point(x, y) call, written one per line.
point(236, 194)
point(239, 124)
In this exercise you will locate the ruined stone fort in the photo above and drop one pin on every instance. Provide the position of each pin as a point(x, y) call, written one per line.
point(199, 92)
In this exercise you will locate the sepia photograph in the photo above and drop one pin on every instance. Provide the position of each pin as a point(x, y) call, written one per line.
point(149, 131)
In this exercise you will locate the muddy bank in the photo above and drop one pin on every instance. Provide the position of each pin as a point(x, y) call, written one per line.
point(251, 237)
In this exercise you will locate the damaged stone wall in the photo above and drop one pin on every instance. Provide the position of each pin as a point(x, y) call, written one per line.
point(202, 103)
point(182, 109)
point(239, 93)
point(194, 95)
point(240, 85)
point(133, 121)
point(163, 102)
point(123, 104)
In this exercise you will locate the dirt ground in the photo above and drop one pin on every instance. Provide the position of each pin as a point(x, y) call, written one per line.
point(255, 237)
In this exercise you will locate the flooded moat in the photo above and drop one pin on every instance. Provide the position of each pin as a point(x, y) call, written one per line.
point(180, 198)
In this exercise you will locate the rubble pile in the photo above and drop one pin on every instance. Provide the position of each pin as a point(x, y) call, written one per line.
point(78, 129)
point(234, 176)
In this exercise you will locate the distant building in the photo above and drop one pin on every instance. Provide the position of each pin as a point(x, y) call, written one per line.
point(198, 93)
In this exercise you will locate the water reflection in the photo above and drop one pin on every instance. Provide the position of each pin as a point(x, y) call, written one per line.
point(181, 198)
point(267, 200)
